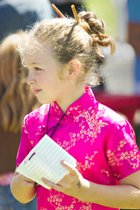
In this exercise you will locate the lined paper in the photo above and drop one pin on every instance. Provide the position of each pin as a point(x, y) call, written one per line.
point(44, 160)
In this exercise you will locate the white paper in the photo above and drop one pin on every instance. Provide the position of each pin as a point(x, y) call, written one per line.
point(44, 160)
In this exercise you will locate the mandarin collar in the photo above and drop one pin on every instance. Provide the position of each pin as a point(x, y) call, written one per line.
point(78, 106)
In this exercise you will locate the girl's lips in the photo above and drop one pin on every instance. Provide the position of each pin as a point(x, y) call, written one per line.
point(36, 91)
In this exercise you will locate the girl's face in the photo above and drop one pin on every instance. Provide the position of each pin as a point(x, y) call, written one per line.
point(43, 75)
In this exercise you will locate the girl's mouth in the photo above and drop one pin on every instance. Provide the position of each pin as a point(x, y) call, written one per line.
point(36, 91)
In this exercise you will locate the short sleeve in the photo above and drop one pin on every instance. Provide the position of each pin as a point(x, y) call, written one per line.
point(25, 145)
point(122, 152)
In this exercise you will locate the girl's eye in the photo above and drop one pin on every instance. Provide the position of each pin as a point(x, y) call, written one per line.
point(37, 69)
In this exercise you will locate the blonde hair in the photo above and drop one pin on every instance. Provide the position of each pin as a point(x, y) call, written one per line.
point(16, 100)
point(69, 39)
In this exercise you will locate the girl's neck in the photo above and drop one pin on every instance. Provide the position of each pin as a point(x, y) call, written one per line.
point(71, 96)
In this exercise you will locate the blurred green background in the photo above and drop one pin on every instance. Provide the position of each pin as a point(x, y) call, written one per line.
point(105, 10)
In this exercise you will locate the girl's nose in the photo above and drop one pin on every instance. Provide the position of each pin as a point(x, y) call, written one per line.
point(30, 78)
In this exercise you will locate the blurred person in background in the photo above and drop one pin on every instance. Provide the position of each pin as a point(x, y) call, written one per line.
point(16, 100)
point(17, 14)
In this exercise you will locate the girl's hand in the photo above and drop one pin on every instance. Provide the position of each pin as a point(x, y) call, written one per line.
point(72, 184)
point(22, 188)
point(26, 181)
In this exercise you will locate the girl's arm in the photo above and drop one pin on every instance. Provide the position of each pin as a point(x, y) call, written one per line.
point(125, 195)
point(22, 188)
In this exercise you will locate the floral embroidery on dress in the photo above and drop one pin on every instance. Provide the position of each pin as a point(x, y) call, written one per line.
point(58, 201)
point(40, 129)
point(117, 175)
point(67, 145)
point(24, 127)
point(89, 162)
point(88, 206)
point(32, 142)
point(121, 144)
point(90, 126)
point(116, 158)
point(105, 172)
point(56, 108)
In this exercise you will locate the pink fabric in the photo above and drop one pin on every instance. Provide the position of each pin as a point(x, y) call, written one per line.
point(101, 140)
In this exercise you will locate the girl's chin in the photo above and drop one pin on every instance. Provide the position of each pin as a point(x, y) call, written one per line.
point(43, 100)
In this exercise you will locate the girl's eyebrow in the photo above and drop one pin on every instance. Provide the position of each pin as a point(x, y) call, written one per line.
point(32, 65)
point(35, 64)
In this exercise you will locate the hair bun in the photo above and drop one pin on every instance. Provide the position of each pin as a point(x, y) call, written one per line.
point(96, 29)
point(96, 25)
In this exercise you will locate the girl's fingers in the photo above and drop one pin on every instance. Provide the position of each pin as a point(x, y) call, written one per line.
point(52, 185)
point(69, 181)
point(70, 168)
point(47, 182)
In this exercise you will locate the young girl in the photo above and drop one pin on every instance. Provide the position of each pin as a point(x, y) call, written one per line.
point(61, 55)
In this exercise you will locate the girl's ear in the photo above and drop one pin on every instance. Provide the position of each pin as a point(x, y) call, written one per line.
point(74, 68)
